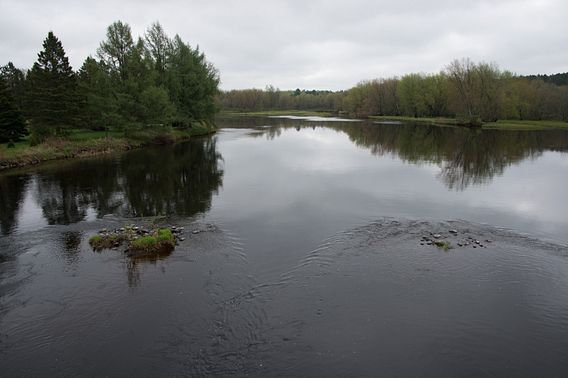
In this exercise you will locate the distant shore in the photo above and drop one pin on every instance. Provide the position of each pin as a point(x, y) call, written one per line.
point(498, 125)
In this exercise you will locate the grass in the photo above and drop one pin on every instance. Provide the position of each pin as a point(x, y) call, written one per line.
point(443, 244)
point(81, 143)
point(499, 125)
point(99, 242)
point(161, 241)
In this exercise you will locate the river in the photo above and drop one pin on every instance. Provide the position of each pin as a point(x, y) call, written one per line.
point(304, 255)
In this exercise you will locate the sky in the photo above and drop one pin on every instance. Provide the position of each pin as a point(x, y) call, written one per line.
point(309, 44)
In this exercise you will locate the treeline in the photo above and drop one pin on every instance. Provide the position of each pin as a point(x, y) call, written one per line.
point(152, 82)
point(464, 89)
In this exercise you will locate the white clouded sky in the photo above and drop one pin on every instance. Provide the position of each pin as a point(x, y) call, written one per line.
point(308, 44)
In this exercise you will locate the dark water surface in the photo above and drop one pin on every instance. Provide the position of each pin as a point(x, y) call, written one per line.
point(309, 262)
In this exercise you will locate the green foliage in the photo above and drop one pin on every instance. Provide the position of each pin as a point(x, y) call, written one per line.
point(52, 97)
point(192, 83)
point(12, 124)
point(16, 82)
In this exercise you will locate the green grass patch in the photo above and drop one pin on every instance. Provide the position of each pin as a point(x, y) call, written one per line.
point(100, 242)
point(443, 244)
point(162, 241)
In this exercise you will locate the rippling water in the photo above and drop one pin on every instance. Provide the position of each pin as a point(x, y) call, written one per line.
point(309, 261)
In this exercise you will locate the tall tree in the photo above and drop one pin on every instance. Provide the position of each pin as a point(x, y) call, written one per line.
point(98, 103)
point(52, 95)
point(12, 124)
point(15, 79)
point(192, 83)
point(158, 46)
point(117, 47)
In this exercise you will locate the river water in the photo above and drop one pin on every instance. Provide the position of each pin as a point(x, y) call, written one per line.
point(307, 257)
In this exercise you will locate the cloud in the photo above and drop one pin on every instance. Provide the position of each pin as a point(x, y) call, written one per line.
point(309, 44)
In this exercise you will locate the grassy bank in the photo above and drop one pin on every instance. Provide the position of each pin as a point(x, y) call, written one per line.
point(82, 143)
point(499, 125)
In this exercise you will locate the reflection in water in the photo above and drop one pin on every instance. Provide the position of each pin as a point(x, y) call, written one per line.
point(466, 157)
point(71, 242)
point(177, 180)
point(133, 265)
point(12, 190)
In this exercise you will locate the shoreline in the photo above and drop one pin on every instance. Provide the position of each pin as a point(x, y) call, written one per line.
point(63, 149)
point(516, 125)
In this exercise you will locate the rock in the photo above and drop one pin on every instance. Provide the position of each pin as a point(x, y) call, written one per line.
point(460, 245)
point(437, 236)
point(195, 232)
point(477, 242)
point(455, 232)
point(181, 239)
point(488, 241)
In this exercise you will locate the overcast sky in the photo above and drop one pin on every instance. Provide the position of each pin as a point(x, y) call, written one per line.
point(308, 44)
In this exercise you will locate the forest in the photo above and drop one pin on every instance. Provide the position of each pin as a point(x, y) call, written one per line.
point(150, 84)
point(463, 89)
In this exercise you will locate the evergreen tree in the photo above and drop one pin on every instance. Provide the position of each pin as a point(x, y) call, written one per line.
point(98, 104)
point(52, 95)
point(16, 81)
point(12, 124)
point(192, 83)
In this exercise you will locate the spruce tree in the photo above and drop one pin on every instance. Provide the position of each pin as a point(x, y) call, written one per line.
point(16, 81)
point(52, 95)
point(12, 124)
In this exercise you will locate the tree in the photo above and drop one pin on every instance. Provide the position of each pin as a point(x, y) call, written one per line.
point(12, 124)
point(15, 79)
point(192, 83)
point(52, 96)
point(461, 75)
point(158, 46)
point(117, 47)
point(98, 103)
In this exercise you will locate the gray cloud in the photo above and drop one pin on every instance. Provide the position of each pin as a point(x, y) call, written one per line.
point(309, 44)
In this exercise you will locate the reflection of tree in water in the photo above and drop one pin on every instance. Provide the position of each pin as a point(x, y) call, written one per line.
point(12, 190)
point(178, 180)
point(71, 242)
point(133, 266)
point(466, 157)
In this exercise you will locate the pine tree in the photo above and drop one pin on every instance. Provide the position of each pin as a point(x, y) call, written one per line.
point(16, 81)
point(12, 124)
point(52, 95)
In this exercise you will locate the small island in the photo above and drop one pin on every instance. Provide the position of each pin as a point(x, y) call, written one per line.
point(138, 241)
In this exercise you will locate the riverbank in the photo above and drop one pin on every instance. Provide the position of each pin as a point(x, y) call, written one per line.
point(84, 143)
point(499, 125)
point(444, 121)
